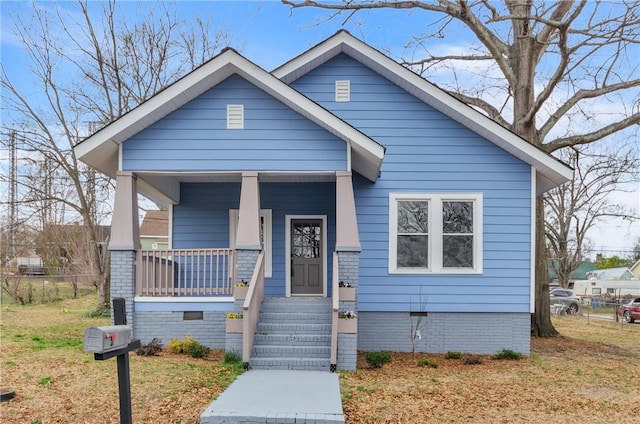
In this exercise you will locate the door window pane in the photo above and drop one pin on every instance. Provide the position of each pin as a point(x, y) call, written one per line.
point(306, 240)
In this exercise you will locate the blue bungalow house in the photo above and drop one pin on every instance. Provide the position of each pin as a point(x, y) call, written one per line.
point(339, 166)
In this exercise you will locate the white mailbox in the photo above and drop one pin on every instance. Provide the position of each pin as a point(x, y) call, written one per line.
point(106, 339)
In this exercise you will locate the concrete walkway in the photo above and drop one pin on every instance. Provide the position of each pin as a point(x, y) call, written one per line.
point(278, 396)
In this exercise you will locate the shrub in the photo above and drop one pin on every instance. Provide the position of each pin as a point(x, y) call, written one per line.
point(231, 357)
point(377, 359)
point(508, 354)
point(100, 313)
point(150, 349)
point(175, 346)
point(193, 348)
point(426, 362)
point(472, 360)
point(453, 355)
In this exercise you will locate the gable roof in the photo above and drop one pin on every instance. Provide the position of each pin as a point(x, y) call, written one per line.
point(550, 171)
point(155, 224)
point(621, 273)
point(100, 150)
point(580, 273)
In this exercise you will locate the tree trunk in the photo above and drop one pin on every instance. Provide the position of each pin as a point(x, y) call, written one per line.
point(104, 290)
point(541, 325)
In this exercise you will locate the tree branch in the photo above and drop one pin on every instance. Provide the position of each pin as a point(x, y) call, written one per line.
point(599, 134)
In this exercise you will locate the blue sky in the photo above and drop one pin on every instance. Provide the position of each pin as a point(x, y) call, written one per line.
point(266, 32)
point(269, 34)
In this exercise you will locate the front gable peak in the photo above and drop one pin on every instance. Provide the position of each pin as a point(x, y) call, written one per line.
point(549, 171)
point(101, 150)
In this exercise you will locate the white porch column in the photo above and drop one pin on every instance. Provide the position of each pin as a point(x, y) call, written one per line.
point(125, 228)
point(248, 235)
point(347, 237)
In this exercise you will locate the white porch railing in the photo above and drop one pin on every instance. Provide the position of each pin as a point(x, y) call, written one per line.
point(185, 272)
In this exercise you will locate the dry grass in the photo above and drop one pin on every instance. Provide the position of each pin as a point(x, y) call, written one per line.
point(588, 375)
point(56, 382)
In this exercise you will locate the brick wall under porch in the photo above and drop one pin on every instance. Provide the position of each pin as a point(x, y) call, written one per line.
point(210, 330)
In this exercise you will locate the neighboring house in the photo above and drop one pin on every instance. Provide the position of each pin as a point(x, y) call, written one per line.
point(622, 273)
point(580, 273)
point(635, 269)
point(154, 230)
point(339, 165)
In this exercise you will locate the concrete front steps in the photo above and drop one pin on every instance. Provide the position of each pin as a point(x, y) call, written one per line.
point(293, 334)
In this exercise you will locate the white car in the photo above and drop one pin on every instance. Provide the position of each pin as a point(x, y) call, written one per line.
point(566, 297)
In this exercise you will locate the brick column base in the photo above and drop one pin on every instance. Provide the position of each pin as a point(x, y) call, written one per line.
point(123, 279)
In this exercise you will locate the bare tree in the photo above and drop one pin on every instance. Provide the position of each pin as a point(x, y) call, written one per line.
point(575, 207)
point(541, 69)
point(93, 62)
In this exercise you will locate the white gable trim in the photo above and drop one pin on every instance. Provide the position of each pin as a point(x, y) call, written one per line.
point(551, 172)
point(101, 149)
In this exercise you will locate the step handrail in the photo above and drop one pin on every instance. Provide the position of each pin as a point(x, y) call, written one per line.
point(251, 308)
point(335, 295)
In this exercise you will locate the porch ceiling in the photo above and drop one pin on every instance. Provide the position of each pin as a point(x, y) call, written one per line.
point(164, 188)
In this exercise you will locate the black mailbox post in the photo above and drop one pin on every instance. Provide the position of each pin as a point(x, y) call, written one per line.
point(122, 354)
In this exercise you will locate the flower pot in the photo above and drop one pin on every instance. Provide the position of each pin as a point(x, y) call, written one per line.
point(348, 325)
point(240, 292)
point(347, 294)
point(233, 325)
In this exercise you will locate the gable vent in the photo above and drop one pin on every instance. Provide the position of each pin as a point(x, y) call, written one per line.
point(343, 91)
point(235, 117)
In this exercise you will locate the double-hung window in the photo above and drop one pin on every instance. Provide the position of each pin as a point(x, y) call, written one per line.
point(435, 233)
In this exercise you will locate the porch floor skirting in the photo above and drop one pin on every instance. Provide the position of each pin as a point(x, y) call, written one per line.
point(278, 396)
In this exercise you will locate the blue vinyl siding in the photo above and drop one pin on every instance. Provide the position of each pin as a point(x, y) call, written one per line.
point(195, 137)
point(202, 218)
point(428, 152)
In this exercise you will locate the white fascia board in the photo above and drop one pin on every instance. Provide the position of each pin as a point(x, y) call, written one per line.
point(312, 58)
point(553, 170)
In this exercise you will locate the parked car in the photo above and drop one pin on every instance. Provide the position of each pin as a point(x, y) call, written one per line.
point(630, 311)
point(566, 297)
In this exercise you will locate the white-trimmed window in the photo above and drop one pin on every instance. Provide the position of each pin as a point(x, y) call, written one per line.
point(265, 234)
point(435, 233)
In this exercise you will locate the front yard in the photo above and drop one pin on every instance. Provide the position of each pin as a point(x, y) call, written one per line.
point(588, 375)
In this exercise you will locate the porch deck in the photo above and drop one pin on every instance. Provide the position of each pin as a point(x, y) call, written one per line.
point(278, 396)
